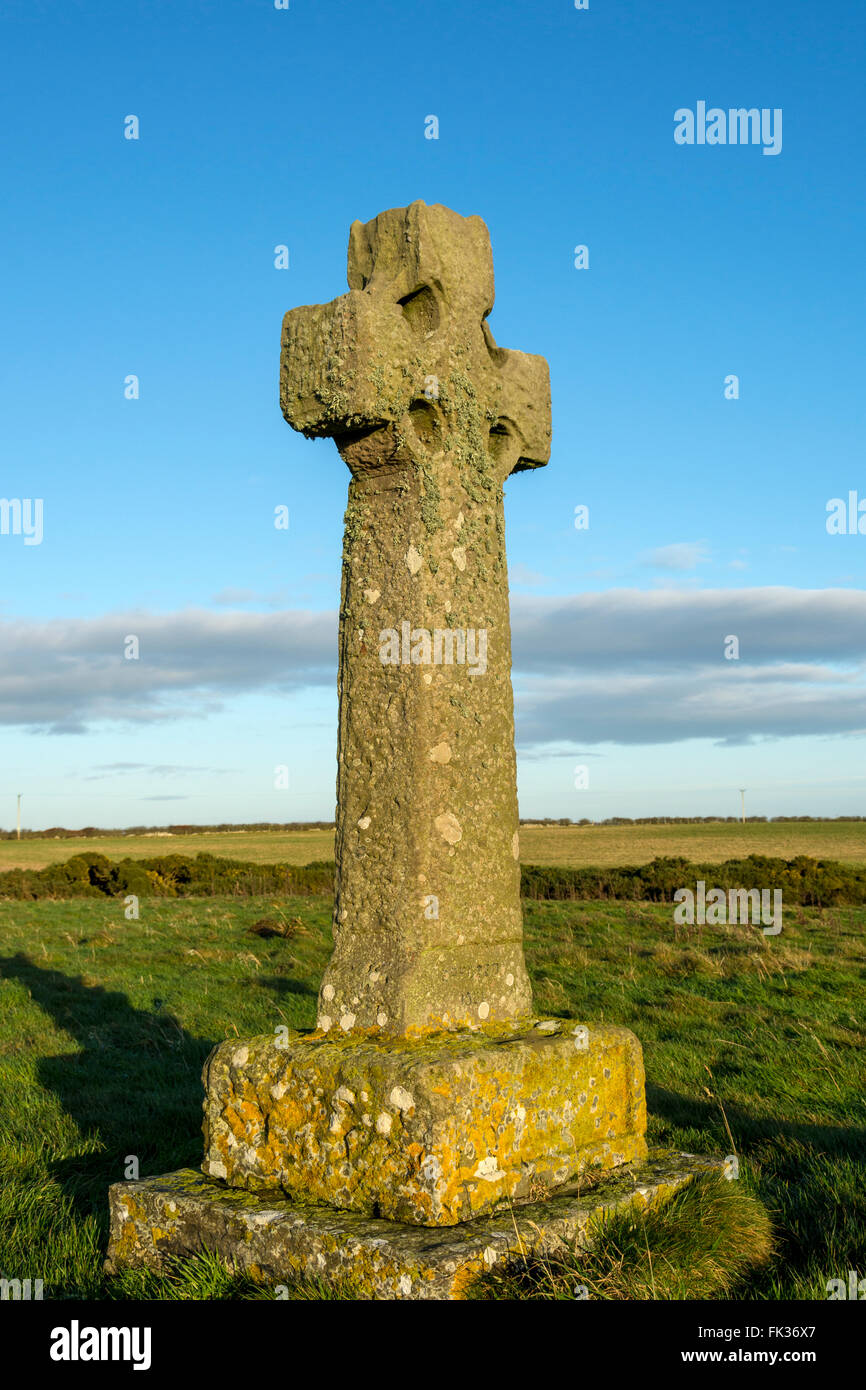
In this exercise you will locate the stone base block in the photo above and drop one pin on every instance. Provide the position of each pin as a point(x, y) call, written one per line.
point(276, 1240)
point(430, 1131)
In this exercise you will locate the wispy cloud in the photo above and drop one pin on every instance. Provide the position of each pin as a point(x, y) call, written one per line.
point(683, 555)
point(104, 770)
point(525, 577)
point(232, 598)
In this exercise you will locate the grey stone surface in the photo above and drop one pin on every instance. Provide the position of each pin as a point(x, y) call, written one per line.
point(275, 1240)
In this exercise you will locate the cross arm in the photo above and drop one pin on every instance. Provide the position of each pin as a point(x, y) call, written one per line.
point(338, 365)
point(521, 434)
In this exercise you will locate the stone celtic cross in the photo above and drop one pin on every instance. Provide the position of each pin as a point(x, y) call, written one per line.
point(431, 417)
point(428, 1095)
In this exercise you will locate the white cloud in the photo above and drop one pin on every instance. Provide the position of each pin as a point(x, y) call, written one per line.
point(626, 666)
point(635, 667)
point(62, 676)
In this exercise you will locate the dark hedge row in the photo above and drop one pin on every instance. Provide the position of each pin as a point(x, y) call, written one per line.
point(165, 876)
point(810, 882)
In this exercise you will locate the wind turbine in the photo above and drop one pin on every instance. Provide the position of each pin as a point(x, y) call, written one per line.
point(743, 791)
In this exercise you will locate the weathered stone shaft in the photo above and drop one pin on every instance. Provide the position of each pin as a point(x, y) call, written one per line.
point(430, 417)
point(427, 924)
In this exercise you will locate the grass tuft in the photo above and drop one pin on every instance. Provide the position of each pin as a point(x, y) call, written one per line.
point(206, 1277)
point(699, 1245)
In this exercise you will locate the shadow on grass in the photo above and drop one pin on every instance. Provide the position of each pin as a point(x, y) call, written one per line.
point(134, 1088)
point(688, 1113)
point(287, 984)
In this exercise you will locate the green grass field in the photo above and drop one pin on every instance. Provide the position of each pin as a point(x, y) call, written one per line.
point(555, 845)
point(753, 1045)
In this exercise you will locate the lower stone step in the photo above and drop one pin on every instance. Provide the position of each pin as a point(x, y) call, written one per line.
point(275, 1240)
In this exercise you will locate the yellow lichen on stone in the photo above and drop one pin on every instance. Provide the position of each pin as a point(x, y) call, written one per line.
point(431, 1131)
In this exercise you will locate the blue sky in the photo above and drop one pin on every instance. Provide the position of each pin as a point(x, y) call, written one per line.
point(155, 257)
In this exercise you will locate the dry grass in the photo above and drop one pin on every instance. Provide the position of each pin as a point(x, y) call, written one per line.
point(570, 846)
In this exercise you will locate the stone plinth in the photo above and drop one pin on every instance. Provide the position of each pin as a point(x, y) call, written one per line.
point(428, 1132)
point(276, 1240)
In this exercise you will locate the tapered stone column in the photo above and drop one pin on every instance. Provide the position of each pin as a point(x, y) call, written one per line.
point(431, 417)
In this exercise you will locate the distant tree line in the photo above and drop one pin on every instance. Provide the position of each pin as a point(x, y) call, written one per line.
point(92, 832)
point(680, 820)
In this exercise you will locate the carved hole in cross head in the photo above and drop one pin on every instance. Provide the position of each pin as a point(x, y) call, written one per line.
point(371, 448)
point(425, 423)
point(503, 444)
point(497, 355)
point(421, 310)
